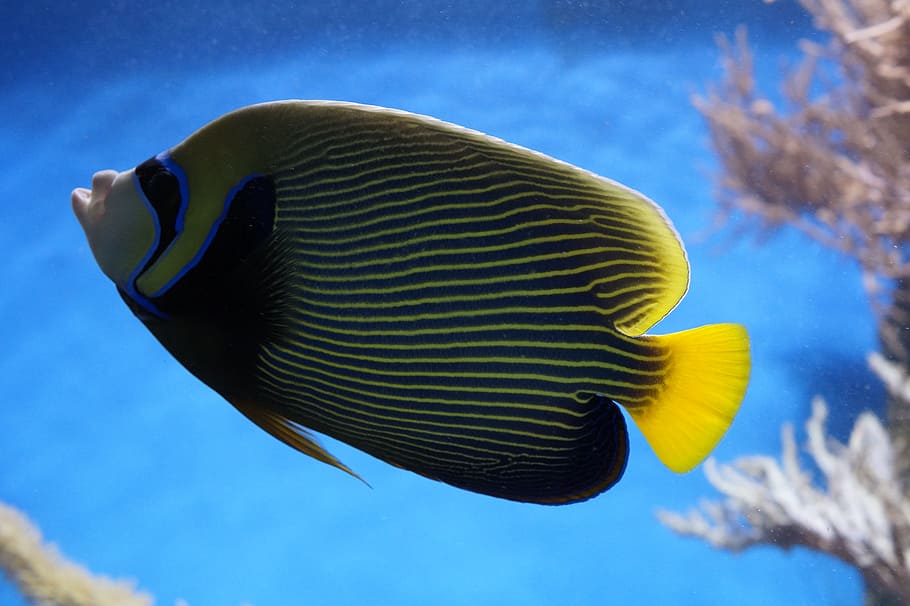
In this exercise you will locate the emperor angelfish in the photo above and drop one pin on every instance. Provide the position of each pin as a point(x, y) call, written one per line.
point(450, 303)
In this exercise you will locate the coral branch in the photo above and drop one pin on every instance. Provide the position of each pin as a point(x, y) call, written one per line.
point(44, 577)
point(834, 164)
point(857, 514)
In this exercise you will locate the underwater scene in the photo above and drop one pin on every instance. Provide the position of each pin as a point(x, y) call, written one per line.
point(544, 302)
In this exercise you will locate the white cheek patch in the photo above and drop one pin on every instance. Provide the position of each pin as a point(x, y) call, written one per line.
point(118, 223)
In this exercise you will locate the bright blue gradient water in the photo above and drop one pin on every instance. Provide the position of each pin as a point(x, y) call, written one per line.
point(137, 470)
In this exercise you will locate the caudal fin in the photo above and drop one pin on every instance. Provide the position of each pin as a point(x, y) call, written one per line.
point(706, 378)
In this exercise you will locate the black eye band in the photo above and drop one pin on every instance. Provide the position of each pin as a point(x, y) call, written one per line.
point(162, 189)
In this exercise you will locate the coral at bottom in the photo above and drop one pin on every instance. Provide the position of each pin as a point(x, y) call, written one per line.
point(46, 578)
point(859, 515)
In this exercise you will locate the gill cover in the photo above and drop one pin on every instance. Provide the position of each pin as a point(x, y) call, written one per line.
point(150, 226)
point(130, 218)
point(214, 166)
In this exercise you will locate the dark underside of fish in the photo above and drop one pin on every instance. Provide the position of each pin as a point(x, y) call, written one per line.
point(455, 305)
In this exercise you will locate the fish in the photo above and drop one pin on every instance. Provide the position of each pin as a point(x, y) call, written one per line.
point(455, 305)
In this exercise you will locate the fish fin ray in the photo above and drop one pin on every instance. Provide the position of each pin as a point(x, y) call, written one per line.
point(607, 458)
point(657, 274)
point(661, 277)
point(293, 434)
point(706, 378)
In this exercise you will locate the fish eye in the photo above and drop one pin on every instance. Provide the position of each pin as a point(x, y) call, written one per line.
point(162, 189)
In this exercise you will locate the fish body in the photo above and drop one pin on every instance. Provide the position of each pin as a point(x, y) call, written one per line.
point(455, 305)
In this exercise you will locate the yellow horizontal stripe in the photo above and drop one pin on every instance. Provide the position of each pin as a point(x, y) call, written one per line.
point(393, 391)
point(546, 341)
point(472, 250)
point(347, 181)
point(488, 281)
point(336, 148)
point(451, 185)
point(308, 311)
point(409, 429)
point(427, 449)
point(300, 242)
point(616, 227)
point(358, 376)
point(502, 360)
point(357, 165)
point(335, 407)
point(342, 277)
point(420, 149)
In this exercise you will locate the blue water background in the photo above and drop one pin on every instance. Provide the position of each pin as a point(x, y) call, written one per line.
point(135, 469)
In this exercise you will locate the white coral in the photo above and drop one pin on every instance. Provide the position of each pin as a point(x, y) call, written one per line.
point(857, 513)
point(46, 578)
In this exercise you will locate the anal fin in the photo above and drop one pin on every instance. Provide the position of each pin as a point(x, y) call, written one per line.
point(291, 433)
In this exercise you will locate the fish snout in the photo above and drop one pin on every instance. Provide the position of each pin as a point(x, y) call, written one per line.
point(118, 222)
point(88, 204)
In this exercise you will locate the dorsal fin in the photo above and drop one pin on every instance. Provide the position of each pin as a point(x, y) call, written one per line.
point(651, 271)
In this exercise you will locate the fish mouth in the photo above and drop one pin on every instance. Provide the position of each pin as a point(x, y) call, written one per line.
point(88, 204)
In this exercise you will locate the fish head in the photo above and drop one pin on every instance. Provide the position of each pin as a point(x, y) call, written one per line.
point(118, 223)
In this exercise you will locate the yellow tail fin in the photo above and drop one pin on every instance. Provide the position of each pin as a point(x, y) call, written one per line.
point(706, 380)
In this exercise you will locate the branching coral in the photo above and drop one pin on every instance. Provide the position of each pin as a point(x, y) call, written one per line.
point(858, 515)
point(45, 578)
point(835, 163)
